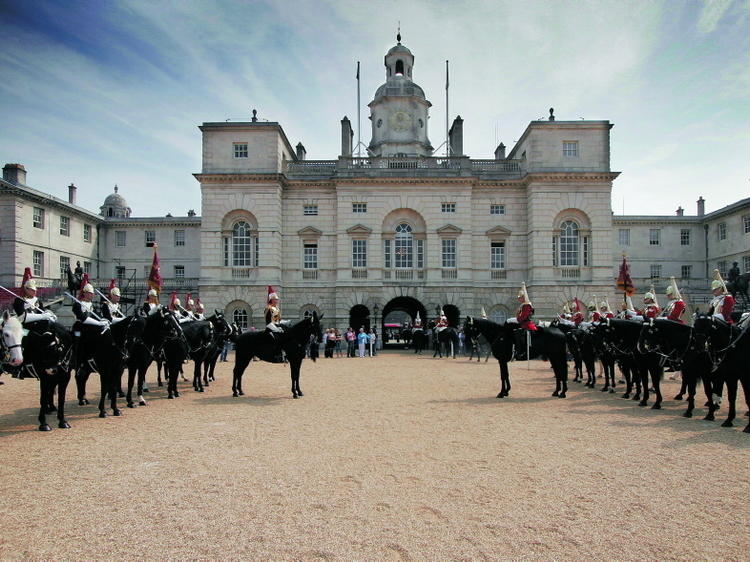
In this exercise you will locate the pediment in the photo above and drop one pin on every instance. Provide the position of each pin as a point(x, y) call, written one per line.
point(309, 231)
point(359, 229)
point(498, 231)
point(449, 229)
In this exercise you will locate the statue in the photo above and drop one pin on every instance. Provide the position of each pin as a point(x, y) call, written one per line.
point(74, 278)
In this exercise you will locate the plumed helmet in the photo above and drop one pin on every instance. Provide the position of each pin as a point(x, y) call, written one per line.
point(273, 296)
point(672, 290)
point(603, 305)
point(199, 305)
point(28, 280)
point(484, 313)
point(114, 291)
point(649, 295)
point(524, 294)
point(152, 293)
point(718, 282)
point(566, 308)
point(189, 300)
point(88, 288)
point(30, 284)
point(592, 304)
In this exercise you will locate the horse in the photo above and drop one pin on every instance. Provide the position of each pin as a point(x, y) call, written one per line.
point(547, 341)
point(223, 331)
point(265, 347)
point(201, 337)
point(47, 352)
point(620, 338)
point(729, 351)
point(676, 343)
point(11, 341)
point(418, 340)
point(406, 334)
point(739, 286)
point(446, 338)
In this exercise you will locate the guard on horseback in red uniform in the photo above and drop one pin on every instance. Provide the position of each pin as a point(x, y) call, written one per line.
point(604, 310)
point(651, 308)
point(29, 308)
point(676, 306)
point(525, 323)
point(274, 324)
point(110, 309)
point(723, 302)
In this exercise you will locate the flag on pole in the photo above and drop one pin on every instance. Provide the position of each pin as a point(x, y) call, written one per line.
point(357, 70)
point(154, 278)
point(624, 282)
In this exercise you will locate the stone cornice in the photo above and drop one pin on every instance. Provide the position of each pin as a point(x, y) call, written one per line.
point(240, 177)
point(449, 229)
point(359, 229)
point(310, 231)
point(31, 194)
point(592, 177)
point(498, 231)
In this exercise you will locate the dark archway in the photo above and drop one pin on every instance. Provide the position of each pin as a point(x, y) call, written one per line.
point(359, 317)
point(398, 311)
point(453, 314)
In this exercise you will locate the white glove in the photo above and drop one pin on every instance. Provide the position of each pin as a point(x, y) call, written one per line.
point(51, 315)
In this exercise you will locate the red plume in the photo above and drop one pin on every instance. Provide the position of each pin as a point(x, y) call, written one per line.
point(84, 282)
point(172, 298)
point(26, 276)
point(112, 284)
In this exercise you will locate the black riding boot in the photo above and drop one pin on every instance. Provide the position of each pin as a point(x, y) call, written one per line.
point(519, 338)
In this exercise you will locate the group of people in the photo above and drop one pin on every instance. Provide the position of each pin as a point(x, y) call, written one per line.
point(359, 343)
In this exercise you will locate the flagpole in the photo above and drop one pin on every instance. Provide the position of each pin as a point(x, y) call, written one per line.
point(447, 144)
point(359, 125)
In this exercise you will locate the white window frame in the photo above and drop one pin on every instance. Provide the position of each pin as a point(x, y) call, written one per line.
point(243, 245)
point(38, 263)
point(654, 237)
point(309, 254)
point(686, 271)
point(570, 244)
point(745, 264)
point(624, 237)
point(655, 271)
point(87, 233)
point(448, 207)
point(240, 149)
point(359, 253)
point(359, 207)
point(64, 225)
point(87, 267)
point(179, 272)
point(38, 218)
point(449, 253)
point(241, 317)
point(721, 265)
point(64, 266)
point(570, 149)
point(497, 258)
point(685, 237)
point(310, 210)
point(722, 230)
point(121, 238)
point(497, 209)
point(150, 236)
point(179, 238)
point(746, 224)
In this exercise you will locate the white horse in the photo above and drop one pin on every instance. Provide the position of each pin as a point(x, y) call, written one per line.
point(12, 336)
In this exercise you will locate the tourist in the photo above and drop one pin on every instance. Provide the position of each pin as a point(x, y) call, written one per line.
point(362, 340)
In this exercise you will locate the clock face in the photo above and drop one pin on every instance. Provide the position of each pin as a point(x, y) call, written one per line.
point(400, 121)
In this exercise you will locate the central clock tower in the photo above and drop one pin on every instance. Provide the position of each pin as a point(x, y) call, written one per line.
point(399, 111)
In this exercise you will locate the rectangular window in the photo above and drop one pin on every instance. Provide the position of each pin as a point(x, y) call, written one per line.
point(120, 274)
point(179, 237)
point(420, 253)
point(255, 255)
point(179, 272)
point(448, 207)
point(685, 237)
point(38, 217)
point(570, 149)
point(722, 267)
point(38, 263)
point(624, 237)
point(120, 238)
point(497, 255)
point(746, 224)
point(722, 231)
point(585, 250)
point(64, 265)
point(497, 209)
point(310, 210)
point(654, 236)
point(655, 272)
point(745, 264)
point(150, 238)
point(87, 233)
point(359, 253)
point(240, 150)
point(449, 252)
point(226, 251)
point(311, 255)
point(65, 226)
point(87, 267)
point(685, 271)
point(387, 253)
point(555, 260)
point(359, 207)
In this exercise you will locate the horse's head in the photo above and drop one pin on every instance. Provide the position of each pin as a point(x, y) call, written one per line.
point(470, 329)
point(11, 339)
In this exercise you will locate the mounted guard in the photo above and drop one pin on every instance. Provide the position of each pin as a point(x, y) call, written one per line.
point(594, 316)
point(29, 308)
point(199, 308)
point(442, 322)
point(676, 306)
point(151, 305)
point(723, 302)
point(604, 310)
point(110, 307)
point(275, 326)
point(651, 308)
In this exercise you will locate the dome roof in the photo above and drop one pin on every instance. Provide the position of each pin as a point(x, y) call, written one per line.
point(399, 49)
point(115, 200)
point(115, 206)
point(399, 86)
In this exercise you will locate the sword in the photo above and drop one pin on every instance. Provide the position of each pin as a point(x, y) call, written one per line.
point(36, 308)
point(109, 301)
point(93, 314)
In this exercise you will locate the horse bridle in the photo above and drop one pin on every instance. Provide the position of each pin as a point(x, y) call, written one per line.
point(671, 356)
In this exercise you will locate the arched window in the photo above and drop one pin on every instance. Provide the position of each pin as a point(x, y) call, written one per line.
point(242, 247)
point(400, 67)
point(498, 314)
point(240, 317)
point(404, 246)
point(569, 244)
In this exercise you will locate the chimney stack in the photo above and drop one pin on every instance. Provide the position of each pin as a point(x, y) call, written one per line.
point(456, 137)
point(347, 137)
point(500, 152)
point(14, 173)
point(701, 206)
point(72, 189)
point(301, 152)
point(680, 211)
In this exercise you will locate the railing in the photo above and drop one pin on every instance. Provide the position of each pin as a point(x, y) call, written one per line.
point(505, 166)
point(241, 272)
point(402, 163)
point(570, 273)
point(309, 274)
point(450, 273)
point(399, 274)
point(429, 165)
point(312, 167)
point(359, 274)
point(499, 274)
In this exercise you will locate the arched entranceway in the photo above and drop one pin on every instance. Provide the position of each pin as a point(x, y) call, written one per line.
point(396, 313)
point(453, 314)
point(359, 317)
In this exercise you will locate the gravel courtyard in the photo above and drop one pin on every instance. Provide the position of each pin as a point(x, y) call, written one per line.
point(393, 457)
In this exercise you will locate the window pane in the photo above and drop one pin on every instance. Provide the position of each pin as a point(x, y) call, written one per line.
point(38, 262)
point(179, 271)
point(359, 253)
point(497, 209)
point(685, 271)
point(624, 237)
point(570, 149)
point(240, 317)
point(120, 238)
point(240, 150)
point(449, 253)
point(64, 265)
point(179, 237)
point(310, 210)
point(311, 256)
point(404, 246)
point(654, 236)
point(65, 226)
point(387, 254)
point(655, 271)
point(87, 233)
point(569, 244)
point(359, 207)
point(685, 237)
point(497, 255)
point(241, 245)
point(420, 254)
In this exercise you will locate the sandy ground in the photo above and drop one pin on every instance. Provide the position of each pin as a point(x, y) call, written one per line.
point(394, 457)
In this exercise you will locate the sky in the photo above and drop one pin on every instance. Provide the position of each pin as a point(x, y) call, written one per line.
point(100, 93)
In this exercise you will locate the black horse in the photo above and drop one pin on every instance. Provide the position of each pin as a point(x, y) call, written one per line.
point(546, 341)
point(202, 337)
point(729, 350)
point(96, 351)
point(263, 346)
point(47, 353)
point(620, 338)
point(677, 344)
point(418, 340)
point(445, 339)
point(223, 331)
point(739, 287)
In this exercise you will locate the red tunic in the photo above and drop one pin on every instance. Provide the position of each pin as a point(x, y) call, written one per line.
point(674, 310)
point(652, 311)
point(524, 315)
point(595, 317)
point(727, 305)
point(609, 314)
point(578, 318)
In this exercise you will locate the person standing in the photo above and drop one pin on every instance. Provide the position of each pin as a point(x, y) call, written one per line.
point(373, 338)
point(362, 341)
point(351, 342)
